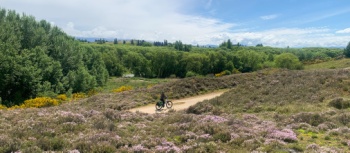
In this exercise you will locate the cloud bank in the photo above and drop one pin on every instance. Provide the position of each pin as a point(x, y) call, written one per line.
point(158, 20)
point(347, 30)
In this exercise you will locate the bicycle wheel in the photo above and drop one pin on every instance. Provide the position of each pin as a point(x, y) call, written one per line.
point(169, 104)
point(158, 106)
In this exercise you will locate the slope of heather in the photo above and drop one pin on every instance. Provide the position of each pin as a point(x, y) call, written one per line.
point(266, 111)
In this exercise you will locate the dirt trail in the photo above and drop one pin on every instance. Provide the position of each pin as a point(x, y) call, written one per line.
point(179, 104)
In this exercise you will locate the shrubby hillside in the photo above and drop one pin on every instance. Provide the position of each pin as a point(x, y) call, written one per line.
point(267, 111)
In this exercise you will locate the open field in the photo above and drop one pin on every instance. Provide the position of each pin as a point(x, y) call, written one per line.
point(333, 64)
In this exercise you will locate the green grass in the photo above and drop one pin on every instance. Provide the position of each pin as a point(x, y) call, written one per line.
point(333, 64)
point(114, 83)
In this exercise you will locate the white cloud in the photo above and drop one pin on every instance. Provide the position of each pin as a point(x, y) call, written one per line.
point(347, 30)
point(269, 17)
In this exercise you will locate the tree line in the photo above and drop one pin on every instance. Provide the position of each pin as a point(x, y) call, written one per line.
point(168, 61)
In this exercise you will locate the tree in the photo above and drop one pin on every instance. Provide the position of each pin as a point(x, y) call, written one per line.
point(115, 41)
point(249, 60)
point(347, 50)
point(178, 45)
point(288, 61)
point(137, 64)
point(229, 44)
point(259, 45)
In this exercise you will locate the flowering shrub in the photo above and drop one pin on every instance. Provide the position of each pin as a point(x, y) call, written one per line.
point(226, 72)
point(139, 148)
point(214, 118)
point(123, 88)
point(150, 86)
point(2, 107)
point(167, 147)
point(62, 97)
point(79, 95)
point(67, 116)
point(285, 135)
point(39, 102)
point(92, 92)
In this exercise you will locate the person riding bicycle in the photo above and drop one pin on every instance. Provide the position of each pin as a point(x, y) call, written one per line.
point(162, 98)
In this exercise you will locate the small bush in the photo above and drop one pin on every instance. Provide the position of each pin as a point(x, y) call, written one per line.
point(51, 144)
point(222, 136)
point(123, 88)
point(340, 103)
point(313, 119)
point(202, 108)
point(105, 148)
point(343, 118)
point(191, 74)
point(83, 147)
point(296, 147)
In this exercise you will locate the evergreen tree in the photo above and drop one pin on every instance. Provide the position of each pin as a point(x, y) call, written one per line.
point(115, 41)
point(229, 44)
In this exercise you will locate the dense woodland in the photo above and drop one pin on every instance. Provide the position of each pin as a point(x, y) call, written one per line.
point(39, 59)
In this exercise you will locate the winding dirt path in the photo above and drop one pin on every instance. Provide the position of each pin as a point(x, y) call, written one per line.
point(179, 104)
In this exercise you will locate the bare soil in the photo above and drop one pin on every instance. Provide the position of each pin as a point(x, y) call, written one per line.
point(179, 104)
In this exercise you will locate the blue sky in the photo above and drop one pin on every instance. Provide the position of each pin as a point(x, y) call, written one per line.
point(277, 23)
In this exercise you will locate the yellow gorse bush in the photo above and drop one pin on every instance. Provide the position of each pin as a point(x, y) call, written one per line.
point(62, 97)
point(79, 95)
point(123, 88)
point(16, 107)
point(226, 72)
point(150, 86)
point(2, 107)
point(39, 102)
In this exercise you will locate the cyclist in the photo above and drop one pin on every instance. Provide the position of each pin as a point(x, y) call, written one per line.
point(162, 98)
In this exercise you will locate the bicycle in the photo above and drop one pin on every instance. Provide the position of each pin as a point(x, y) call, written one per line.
point(168, 104)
